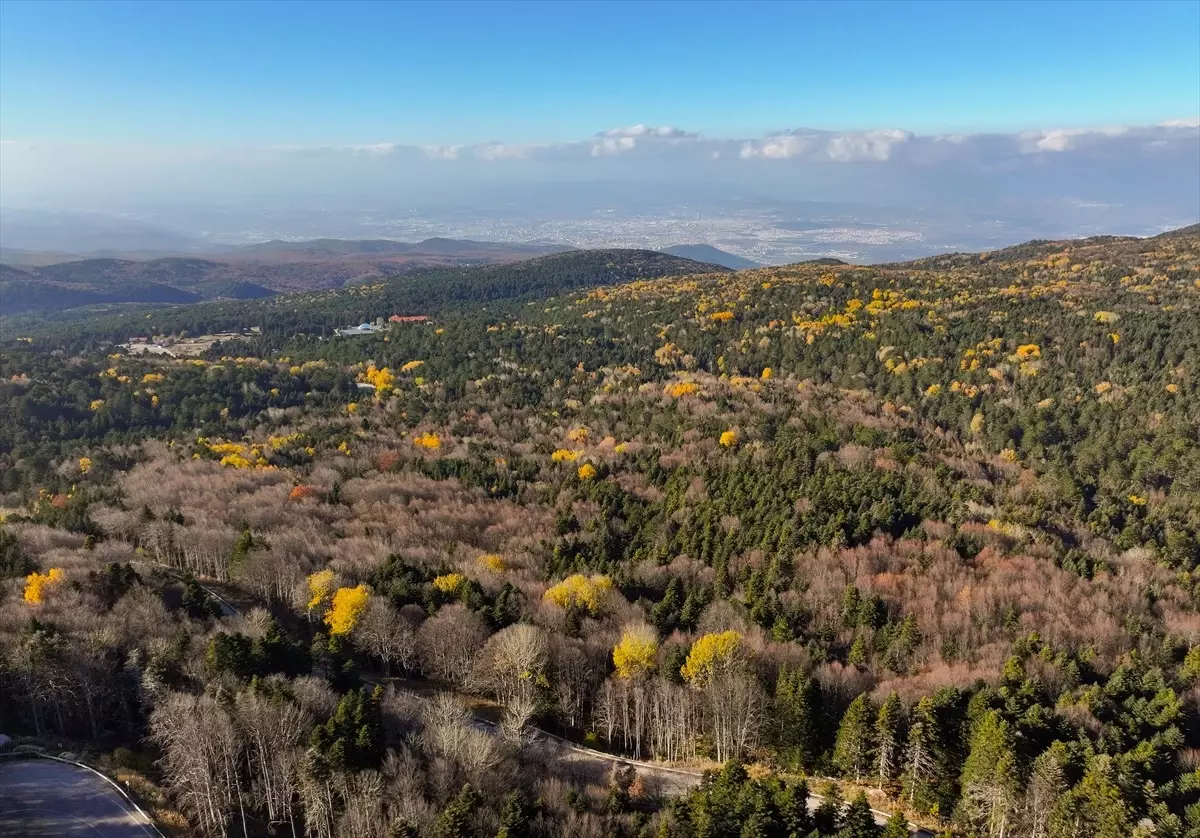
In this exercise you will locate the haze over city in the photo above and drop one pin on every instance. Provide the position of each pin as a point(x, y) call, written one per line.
point(776, 132)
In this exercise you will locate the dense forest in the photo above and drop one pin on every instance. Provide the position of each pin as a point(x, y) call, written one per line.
point(365, 295)
point(824, 539)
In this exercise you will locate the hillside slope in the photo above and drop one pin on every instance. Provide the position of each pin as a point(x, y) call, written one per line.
point(422, 291)
point(245, 273)
point(443, 249)
point(67, 285)
point(708, 253)
point(796, 511)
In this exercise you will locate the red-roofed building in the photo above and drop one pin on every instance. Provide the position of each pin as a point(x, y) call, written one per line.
point(410, 318)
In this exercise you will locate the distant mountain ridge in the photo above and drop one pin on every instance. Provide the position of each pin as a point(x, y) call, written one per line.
point(311, 248)
point(109, 281)
point(343, 248)
point(185, 280)
point(248, 272)
point(182, 280)
point(712, 255)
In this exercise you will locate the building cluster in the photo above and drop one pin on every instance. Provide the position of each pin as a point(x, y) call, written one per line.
point(379, 325)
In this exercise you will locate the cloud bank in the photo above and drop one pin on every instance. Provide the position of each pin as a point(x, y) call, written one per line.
point(812, 145)
point(1155, 164)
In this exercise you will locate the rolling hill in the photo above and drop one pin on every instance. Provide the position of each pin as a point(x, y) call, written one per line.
point(708, 253)
point(420, 291)
point(34, 281)
point(433, 248)
point(106, 281)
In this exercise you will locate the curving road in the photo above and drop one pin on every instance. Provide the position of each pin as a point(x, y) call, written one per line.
point(42, 798)
point(669, 781)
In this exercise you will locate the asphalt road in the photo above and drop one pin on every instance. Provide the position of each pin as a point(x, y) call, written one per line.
point(45, 799)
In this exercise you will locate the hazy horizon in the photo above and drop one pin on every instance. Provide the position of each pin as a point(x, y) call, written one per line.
point(884, 131)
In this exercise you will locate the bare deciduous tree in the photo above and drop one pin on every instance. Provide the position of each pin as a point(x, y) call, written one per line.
point(448, 643)
point(512, 663)
point(385, 634)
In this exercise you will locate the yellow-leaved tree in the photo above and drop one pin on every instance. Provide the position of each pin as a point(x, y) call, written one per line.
point(707, 654)
point(450, 583)
point(37, 585)
point(494, 562)
point(580, 591)
point(637, 653)
point(348, 604)
point(729, 438)
point(383, 379)
point(319, 586)
point(428, 440)
point(587, 471)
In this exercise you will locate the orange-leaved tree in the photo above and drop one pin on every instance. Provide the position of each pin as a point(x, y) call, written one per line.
point(37, 585)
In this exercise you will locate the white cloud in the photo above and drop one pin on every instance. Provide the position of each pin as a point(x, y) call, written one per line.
point(781, 147)
point(503, 151)
point(846, 147)
point(444, 152)
point(614, 145)
point(669, 144)
point(1066, 139)
point(647, 131)
point(1056, 140)
point(1141, 159)
point(868, 145)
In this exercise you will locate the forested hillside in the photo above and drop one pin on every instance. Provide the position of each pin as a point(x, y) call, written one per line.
point(426, 291)
point(90, 282)
point(307, 266)
point(927, 532)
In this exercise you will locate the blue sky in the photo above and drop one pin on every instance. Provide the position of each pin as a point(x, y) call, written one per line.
point(225, 73)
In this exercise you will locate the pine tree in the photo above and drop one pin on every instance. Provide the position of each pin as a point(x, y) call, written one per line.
point(921, 758)
point(858, 821)
point(897, 827)
point(858, 652)
point(763, 820)
point(402, 829)
point(889, 738)
point(827, 817)
point(1047, 784)
point(854, 747)
point(196, 601)
point(798, 711)
point(455, 819)
point(665, 615)
point(851, 600)
point(989, 778)
point(516, 817)
point(1094, 807)
point(932, 759)
point(792, 803)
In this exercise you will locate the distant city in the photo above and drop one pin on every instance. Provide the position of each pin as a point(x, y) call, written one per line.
point(765, 231)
